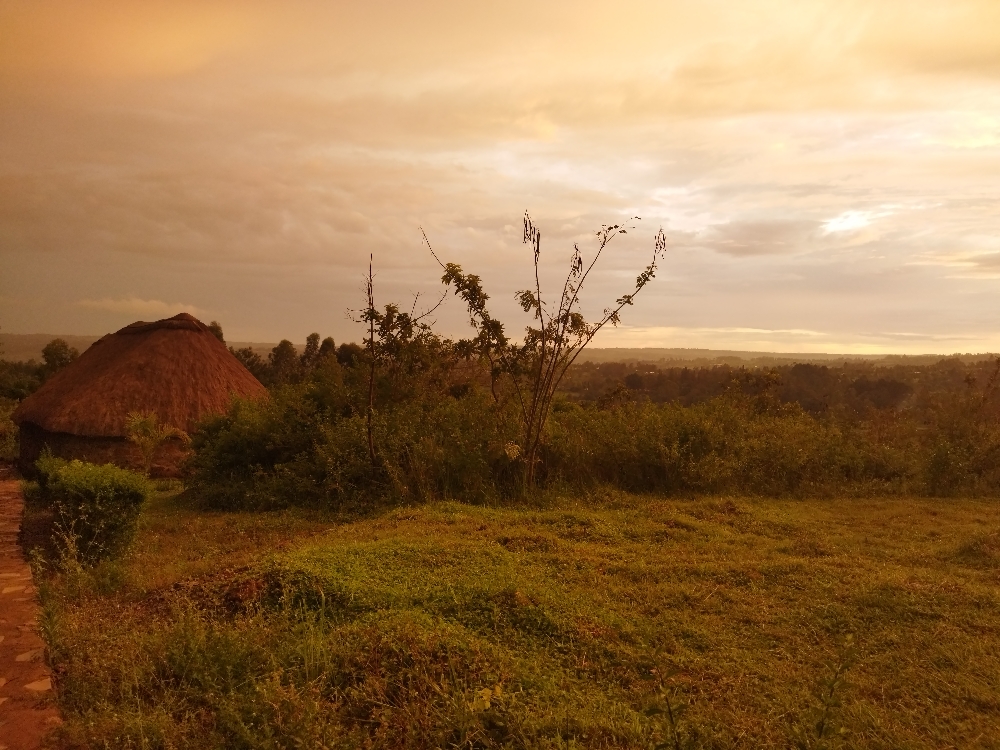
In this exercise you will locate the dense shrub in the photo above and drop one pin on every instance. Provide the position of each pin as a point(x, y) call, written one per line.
point(8, 431)
point(726, 445)
point(96, 507)
point(18, 380)
point(307, 444)
point(48, 467)
point(440, 428)
point(293, 449)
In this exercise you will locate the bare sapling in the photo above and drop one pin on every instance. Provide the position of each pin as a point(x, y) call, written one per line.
point(551, 346)
point(388, 332)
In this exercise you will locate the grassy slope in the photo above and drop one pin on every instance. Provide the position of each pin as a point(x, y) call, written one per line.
point(265, 630)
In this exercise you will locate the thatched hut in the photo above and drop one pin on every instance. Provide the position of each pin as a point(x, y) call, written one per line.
point(175, 368)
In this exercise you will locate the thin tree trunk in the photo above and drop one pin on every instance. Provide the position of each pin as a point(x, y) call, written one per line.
point(371, 372)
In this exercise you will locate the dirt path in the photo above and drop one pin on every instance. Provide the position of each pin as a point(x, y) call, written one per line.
point(27, 706)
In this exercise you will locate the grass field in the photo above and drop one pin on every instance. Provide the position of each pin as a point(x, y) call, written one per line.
point(618, 622)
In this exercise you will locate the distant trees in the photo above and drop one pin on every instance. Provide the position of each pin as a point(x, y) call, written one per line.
point(56, 355)
point(20, 379)
point(252, 361)
point(284, 365)
point(216, 330)
point(327, 348)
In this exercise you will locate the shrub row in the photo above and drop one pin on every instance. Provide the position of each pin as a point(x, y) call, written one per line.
point(96, 507)
point(8, 430)
point(308, 444)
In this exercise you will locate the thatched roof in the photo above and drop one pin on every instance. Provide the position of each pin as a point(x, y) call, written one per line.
point(175, 368)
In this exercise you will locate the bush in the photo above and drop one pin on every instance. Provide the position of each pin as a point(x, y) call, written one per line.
point(8, 431)
point(96, 507)
point(437, 423)
point(308, 445)
point(48, 467)
point(726, 445)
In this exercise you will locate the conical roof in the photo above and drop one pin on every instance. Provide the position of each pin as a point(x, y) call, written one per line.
point(174, 368)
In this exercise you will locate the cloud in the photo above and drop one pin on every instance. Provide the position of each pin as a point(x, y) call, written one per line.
point(228, 154)
point(149, 308)
point(847, 222)
point(791, 341)
point(766, 237)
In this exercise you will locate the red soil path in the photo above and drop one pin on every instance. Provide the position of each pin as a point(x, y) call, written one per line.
point(27, 705)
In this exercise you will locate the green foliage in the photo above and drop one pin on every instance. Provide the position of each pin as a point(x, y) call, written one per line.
point(730, 444)
point(148, 435)
point(307, 444)
point(607, 622)
point(283, 363)
point(96, 507)
point(48, 467)
point(252, 361)
point(215, 328)
point(18, 380)
point(285, 366)
point(8, 430)
point(534, 370)
point(439, 431)
point(56, 355)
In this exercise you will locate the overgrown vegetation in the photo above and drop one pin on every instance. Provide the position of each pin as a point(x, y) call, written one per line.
point(567, 624)
point(441, 432)
point(20, 379)
point(533, 371)
point(412, 415)
point(8, 430)
point(95, 508)
point(146, 433)
point(610, 579)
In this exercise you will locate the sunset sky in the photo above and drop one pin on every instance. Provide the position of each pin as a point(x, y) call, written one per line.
point(827, 173)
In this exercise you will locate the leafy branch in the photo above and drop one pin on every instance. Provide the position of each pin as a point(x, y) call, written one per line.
point(550, 348)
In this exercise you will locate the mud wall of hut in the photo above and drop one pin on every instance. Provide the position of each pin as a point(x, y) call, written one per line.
point(98, 450)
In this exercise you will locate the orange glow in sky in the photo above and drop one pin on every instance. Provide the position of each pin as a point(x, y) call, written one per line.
point(827, 173)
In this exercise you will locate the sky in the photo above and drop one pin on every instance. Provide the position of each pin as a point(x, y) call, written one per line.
point(827, 174)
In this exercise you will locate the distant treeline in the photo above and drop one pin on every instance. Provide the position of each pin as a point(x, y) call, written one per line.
point(425, 419)
point(854, 386)
point(284, 365)
point(20, 379)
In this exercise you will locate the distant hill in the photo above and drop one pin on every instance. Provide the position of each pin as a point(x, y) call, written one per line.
point(714, 357)
point(25, 346)
point(20, 347)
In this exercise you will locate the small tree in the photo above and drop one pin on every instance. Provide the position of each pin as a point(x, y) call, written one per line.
point(390, 333)
point(328, 348)
point(253, 362)
point(310, 355)
point(284, 363)
point(538, 366)
point(148, 435)
point(216, 330)
point(56, 355)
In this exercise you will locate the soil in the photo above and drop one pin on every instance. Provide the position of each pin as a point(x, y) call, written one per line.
point(27, 704)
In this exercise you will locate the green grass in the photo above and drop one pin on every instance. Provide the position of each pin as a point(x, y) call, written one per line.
point(448, 625)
